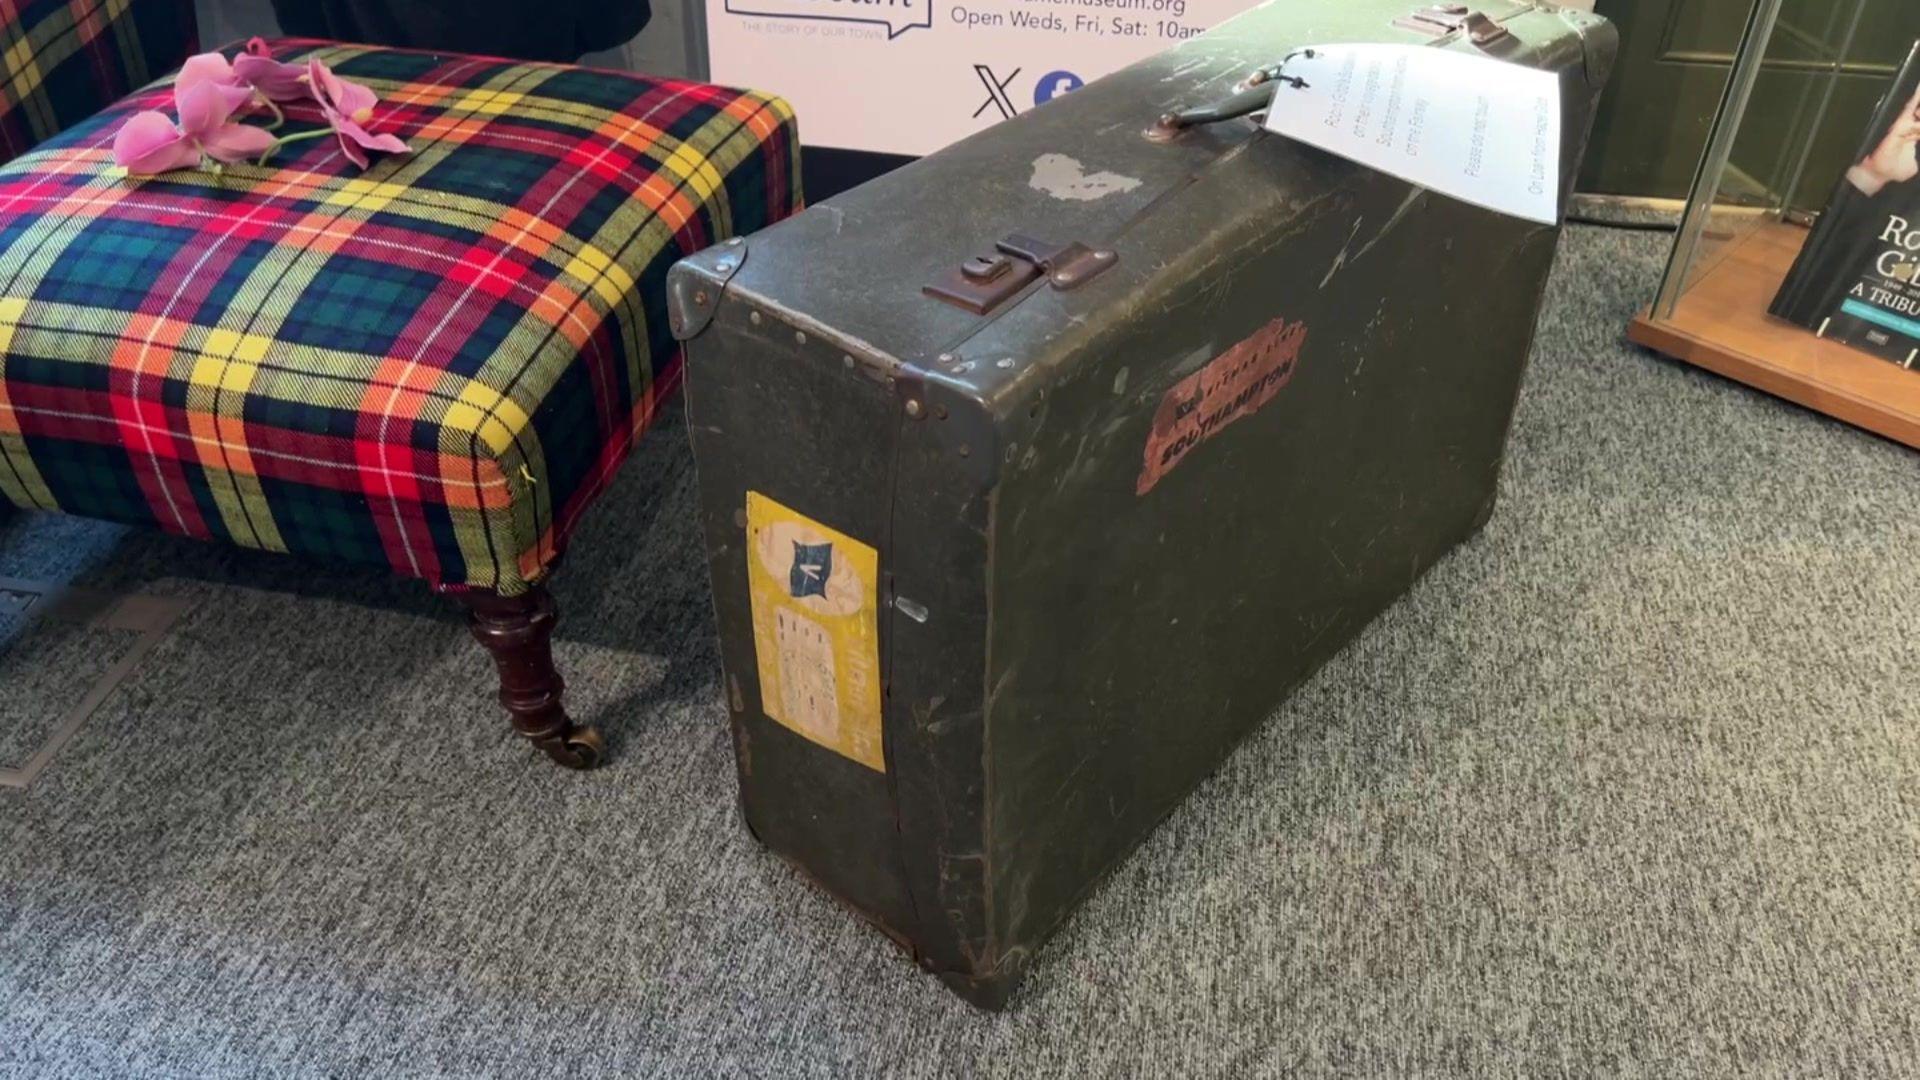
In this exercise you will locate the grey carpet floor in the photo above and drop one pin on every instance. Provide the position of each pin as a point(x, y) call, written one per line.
point(1628, 786)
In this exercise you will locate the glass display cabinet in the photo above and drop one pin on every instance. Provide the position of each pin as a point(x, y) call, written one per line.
point(1800, 97)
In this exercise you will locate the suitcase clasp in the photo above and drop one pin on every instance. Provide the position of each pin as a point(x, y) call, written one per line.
point(1438, 20)
point(983, 282)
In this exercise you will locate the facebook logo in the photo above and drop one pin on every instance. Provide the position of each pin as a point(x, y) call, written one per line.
point(1055, 83)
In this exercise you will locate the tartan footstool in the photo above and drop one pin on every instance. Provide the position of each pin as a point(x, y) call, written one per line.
point(61, 61)
point(434, 365)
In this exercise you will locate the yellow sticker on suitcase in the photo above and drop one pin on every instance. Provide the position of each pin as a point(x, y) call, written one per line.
point(816, 634)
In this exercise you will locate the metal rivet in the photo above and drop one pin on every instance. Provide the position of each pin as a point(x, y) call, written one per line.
point(754, 318)
point(949, 358)
point(848, 362)
point(965, 450)
point(1004, 362)
point(940, 412)
point(914, 409)
point(725, 266)
point(735, 242)
point(799, 338)
point(962, 369)
point(701, 298)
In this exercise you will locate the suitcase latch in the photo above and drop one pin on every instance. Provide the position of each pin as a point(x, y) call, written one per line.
point(984, 282)
point(1438, 20)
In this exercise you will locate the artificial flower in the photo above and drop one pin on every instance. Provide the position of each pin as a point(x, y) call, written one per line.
point(149, 143)
point(274, 80)
point(210, 90)
point(348, 106)
point(212, 69)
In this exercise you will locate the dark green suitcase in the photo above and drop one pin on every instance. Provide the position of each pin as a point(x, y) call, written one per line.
point(1037, 473)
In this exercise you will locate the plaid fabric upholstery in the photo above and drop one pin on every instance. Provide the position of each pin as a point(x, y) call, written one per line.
point(61, 61)
point(433, 366)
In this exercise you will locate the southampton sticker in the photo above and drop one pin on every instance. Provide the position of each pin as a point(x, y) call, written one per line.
point(1232, 385)
point(816, 635)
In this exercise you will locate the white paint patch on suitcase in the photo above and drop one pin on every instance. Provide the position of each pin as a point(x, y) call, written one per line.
point(1065, 178)
point(1235, 384)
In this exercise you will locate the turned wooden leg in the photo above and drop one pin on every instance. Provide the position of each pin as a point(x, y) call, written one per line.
point(518, 631)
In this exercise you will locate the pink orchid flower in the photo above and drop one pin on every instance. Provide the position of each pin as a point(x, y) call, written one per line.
point(149, 143)
point(347, 106)
point(274, 80)
point(212, 69)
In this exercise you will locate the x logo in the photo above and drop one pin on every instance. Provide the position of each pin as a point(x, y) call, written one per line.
point(996, 92)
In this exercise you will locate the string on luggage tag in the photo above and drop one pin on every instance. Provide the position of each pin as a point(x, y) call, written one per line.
point(1251, 97)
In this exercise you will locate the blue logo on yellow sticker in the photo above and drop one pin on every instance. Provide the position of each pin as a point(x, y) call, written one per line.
point(812, 565)
point(816, 633)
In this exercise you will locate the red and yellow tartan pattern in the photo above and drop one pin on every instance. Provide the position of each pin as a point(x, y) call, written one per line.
point(61, 61)
point(434, 366)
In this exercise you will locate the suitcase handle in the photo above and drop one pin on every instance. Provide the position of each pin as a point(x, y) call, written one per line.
point(1252, 95)
point(1438, 20)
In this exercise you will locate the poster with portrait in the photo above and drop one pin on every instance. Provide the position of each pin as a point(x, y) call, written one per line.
point(912, 76)
point(1857, 280)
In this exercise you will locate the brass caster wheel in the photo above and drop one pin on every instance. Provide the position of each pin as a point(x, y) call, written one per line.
point(581, 748)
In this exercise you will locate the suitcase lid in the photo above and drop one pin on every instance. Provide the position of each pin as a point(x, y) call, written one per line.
point(1077, 174)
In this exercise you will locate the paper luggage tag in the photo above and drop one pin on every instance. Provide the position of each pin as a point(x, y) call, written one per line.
point(816, 634)
point(1479, 129)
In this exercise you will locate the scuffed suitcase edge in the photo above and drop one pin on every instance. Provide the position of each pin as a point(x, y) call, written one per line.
point(990, 991)
point(697, 287)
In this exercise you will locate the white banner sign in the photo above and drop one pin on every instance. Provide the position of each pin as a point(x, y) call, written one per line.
point(911, 76)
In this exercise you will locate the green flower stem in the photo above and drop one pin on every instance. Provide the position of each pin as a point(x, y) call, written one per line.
point(279, 117)
point(294, 138)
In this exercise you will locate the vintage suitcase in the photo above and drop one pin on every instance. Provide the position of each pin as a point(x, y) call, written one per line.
point(1035, 474)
